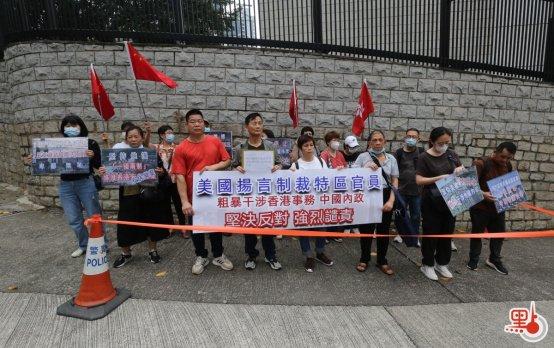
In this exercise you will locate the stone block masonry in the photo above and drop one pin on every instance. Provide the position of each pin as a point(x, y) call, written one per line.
point(41, 81)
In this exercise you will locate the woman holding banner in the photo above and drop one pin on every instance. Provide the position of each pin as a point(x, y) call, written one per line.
point(308, 161)
point(137, 204)
point(374, 158)
point(433, 165)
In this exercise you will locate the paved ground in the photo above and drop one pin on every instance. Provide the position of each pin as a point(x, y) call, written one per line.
point(35, 252)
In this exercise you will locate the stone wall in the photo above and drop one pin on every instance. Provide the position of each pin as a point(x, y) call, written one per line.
point(41, 81)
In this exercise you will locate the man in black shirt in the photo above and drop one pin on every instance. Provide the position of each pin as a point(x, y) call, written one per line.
point(406, 156)
point(351, 149)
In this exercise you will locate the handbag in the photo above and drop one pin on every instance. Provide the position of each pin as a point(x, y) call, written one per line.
point(400, 214)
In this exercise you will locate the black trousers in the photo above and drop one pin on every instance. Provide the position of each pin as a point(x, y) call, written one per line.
point(482, 220)
point(199, 242)
point(382, 242)
point(268, 244)
point(176, 199)
point(436, 221)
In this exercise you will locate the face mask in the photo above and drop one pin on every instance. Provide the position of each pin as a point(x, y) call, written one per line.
point(170, 138)
point(72, 131)
point(207, 129)
point(441, 149)
point(376, 152)
point(411, 142)
point(264, 137)
point(334, 145)
point(123, 136)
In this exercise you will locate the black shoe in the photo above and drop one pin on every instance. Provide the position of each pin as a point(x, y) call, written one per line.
point(324, 259)
point(122, 260)
point(472, 265)
point(497, 266)
point(154, 256)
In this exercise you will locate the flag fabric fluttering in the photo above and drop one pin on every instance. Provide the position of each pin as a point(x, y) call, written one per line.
point(100, 98)
point(293, 106)
point(365, 107)
point(143, 70)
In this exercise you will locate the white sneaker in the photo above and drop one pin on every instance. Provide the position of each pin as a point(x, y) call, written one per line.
point(453, 246)
point(443, 271)
point(397, 239)
point(223, 262)
point(429, 272)
point(279, 236)
point(77, 253)
point(356, 230)
point(199, 264)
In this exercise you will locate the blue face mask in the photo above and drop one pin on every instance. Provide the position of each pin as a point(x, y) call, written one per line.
point(207, 129)
point(374, 152)
point(411, 142)
point(71, 131)
point(170, 138)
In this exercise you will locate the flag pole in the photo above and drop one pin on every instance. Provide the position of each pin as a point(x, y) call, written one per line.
point(368, 118)
point(140, 99)
point(134, 78)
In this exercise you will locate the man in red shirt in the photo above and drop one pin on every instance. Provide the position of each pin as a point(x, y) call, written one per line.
point(199, 152)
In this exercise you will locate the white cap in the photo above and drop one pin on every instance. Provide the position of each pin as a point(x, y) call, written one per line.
point(351, 141)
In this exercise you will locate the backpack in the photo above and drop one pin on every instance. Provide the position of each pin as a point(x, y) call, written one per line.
point(320, 162)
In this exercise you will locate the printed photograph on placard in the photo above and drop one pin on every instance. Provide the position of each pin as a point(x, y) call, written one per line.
point(127, 167)
point(52, 156)
point(507, 190)
point(461, 191)
point(226, 138)
point(283, 147)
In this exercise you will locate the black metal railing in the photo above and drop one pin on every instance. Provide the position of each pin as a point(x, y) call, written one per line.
point(507, 37)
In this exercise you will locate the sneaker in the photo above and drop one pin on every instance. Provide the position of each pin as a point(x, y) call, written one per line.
point(121, 261)
point(497, 266)
point(309, 265)
point(418, 244)
point(154, 256)
point(397, 239)
point(273, 263)
point(199, 264)
point(453, 246)
point(279, 236)
point(327, 241)
point(324, 259)
point(223, 262)
point(250, 263)
point(472, 265)
point(443, 271)
point(78, 252)
point(337, 240)
point(429, 272)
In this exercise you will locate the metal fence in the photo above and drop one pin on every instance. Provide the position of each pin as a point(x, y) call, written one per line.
point(506, 37)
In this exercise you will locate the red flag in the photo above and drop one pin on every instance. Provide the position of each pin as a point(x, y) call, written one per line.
point(293, 106)
point(143, 70)
point(365, 107)
point(100, 98)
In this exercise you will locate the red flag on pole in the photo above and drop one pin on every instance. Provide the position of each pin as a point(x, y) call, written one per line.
point(143, 70)
point(365, 107)
point(293, 105)
point(100, 98)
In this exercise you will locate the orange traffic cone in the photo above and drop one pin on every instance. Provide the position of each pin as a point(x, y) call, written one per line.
point(97, 297)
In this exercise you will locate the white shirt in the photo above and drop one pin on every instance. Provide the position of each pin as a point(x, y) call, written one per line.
point(124, 145)
point(313, 164)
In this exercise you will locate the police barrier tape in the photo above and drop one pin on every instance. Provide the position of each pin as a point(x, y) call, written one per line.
point(304, 233)
point(539, 209)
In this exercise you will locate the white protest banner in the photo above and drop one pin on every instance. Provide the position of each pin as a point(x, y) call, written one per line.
point(255, 161)
point(286, 199)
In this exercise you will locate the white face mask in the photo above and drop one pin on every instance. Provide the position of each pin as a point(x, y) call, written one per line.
point(334, 145)
point(441, 149)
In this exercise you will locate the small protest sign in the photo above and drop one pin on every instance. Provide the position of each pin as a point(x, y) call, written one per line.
point(507, 191)
point(60, 156)
point(127, 167)
point(460, 191)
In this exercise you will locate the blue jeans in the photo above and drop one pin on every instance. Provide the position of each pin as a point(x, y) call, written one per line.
point(305, 245)
point(74, 196)
point(414, 207)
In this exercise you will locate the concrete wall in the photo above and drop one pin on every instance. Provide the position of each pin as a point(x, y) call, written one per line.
point(41, 81)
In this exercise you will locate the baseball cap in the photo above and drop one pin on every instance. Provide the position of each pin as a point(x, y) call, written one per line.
point(351, 141)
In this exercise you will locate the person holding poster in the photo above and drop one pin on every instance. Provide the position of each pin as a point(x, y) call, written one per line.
point(308, 161)
point(78, 191)
point(138, 206)
point(484, 215)
point(199, 152)
point(436, 163)
point(387, 162)
point(254, 124)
